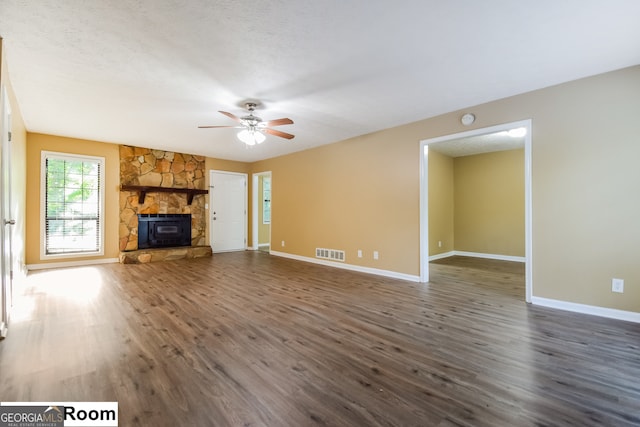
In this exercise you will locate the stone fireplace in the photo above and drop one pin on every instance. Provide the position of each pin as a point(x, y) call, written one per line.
point(160, 184)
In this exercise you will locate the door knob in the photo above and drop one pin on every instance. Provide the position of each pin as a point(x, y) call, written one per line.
point(10, 222)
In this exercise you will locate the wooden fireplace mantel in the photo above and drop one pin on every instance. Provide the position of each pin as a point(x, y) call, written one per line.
point(144, 189)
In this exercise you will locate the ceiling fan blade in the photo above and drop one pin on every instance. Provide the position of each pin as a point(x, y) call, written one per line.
point(279, 122)
point(208, 127)
point(278, 133)
point(231, 116)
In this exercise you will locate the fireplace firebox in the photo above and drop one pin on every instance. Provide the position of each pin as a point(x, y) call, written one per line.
point(164, 230)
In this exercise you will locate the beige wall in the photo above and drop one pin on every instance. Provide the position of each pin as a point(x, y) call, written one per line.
point(36, 143)
point(441, 206)
point(489, 203)
point(585, 189)
point(363, 193)
point(18, 171)
point(357, 194)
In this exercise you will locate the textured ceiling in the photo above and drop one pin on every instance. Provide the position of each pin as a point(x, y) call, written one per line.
point(148, 72)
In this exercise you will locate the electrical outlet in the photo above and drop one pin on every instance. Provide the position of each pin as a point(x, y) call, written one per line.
point(359, 253)
point(282, 243)
point(617, 285)
point(375, 254)
point(439, 243)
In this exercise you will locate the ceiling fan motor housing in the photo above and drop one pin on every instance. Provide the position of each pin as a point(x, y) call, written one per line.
point(251, 120)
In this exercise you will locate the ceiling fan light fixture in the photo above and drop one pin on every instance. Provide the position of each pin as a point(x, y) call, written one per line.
point(253, 128)
point(251, 136)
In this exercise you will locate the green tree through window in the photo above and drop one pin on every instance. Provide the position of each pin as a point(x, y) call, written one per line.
point(73, 204)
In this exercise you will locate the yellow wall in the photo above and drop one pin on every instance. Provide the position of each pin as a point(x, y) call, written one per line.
point(263, 229)
point(36, 143)
point(363, 193)
point(441, 206)
point(489, 203)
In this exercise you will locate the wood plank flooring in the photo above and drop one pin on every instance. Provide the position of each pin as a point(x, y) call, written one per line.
point(249, 339)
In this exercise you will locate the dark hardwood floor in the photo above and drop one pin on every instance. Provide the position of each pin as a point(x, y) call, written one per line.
point(249, 339)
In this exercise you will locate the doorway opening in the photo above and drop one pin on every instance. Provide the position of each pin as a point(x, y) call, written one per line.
point(261, 211)
point(471, 141)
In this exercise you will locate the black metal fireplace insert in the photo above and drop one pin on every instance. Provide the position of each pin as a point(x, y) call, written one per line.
point(164, 230)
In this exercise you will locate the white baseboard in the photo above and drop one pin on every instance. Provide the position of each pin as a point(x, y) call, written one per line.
point(442, 255)
point(611, 313)
point(478, 255)
point(257, 248)
point(71, 263)
point(361, 269)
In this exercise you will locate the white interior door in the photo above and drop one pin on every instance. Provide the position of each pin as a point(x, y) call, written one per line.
point(6, 221)
point(228, 196)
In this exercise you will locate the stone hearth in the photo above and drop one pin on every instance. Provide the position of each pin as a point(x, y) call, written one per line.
point(144, 256)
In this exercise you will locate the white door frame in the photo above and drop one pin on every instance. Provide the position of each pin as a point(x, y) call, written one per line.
point(255, 199)
point(211, 174)
point(424, 197)
point(6, 260)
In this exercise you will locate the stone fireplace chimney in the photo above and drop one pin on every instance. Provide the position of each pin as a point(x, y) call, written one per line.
point(156, 168)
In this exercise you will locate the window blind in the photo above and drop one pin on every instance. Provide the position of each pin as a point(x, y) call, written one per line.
point(73, 205)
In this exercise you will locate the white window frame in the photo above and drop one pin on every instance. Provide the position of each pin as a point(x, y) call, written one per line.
point(43, 214)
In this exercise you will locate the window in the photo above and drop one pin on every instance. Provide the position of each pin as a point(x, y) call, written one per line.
point(72, 200)
point(266, 200)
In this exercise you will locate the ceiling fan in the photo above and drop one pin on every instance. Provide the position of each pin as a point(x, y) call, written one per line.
point(253, 128)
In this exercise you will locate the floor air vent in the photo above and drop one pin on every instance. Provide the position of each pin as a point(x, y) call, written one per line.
point(332, 254)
